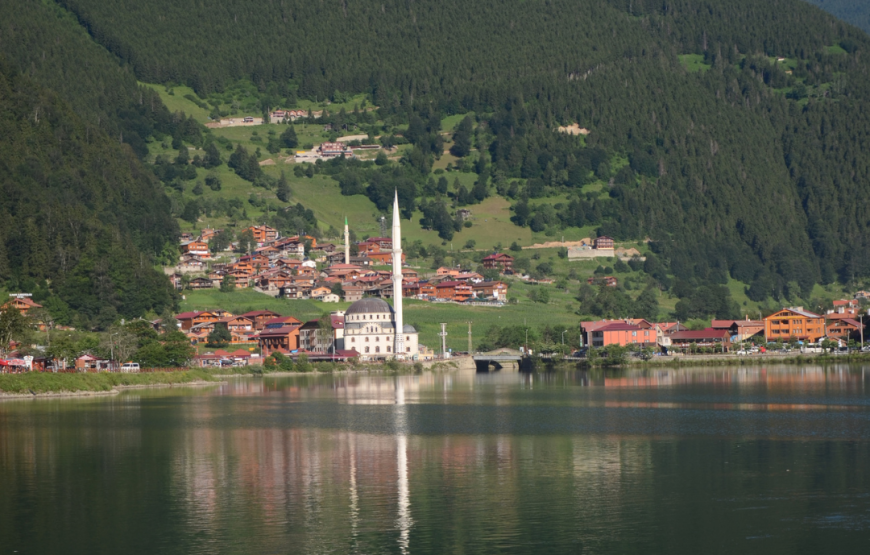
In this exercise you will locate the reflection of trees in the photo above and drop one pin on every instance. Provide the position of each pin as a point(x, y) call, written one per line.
point(276, 466)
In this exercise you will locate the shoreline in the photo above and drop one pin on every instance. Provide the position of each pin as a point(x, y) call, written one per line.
point(39, 385)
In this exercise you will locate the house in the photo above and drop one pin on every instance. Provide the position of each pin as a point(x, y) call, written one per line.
point(330, 298)
point(499, 261)
point(458, 291)
point(90, 363)
point(237, 324)
point(175, 280)
point(207, 233)
point(318, 292)
point(325, 248)
point(279, 337)
point(603, 242)
point(794, 323)
point(330, 150)
point(745, 330)
point(603, 281)
point(490, 290)
point(383, 258)
point(200, 283)
point(463, 213)
point(22, 304)
point(618, 332)
point(706, 338)
point(260, 317)
point(353, 293)
point(262, 233)
point(187, 320)
point(198, 248)
point(844, 328)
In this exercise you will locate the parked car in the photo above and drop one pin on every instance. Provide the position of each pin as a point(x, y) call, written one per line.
point(742, 352)
point(130, 367)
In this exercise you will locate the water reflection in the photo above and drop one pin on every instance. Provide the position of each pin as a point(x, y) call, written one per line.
point(664, 461)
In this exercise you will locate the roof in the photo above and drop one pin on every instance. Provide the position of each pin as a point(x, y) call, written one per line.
point(618, 326)
point(337, 321)
point(256, 313)
point(497, 255)
point(188, 315)
point(282, 320)
point(369, 306)
point(452, 284)
point(722, 324)
point(748, 323)
point(798, 311)
point(408, 328)
point(278, 332)
point(707, 333)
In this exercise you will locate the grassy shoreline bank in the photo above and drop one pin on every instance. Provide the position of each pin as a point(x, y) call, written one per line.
point(45, 383)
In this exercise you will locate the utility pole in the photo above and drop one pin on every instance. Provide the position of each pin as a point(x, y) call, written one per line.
point(469, 337)
point(443, 335)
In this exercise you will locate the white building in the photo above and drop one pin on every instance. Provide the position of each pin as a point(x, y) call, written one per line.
point(374, 328)
point(370, 329)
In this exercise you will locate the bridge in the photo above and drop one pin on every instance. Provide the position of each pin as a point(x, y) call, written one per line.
point(497, 359)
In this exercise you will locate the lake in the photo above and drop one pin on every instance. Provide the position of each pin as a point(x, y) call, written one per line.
point(736, 460)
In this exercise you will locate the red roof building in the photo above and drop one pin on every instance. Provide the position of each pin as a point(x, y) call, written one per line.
point(499, 261)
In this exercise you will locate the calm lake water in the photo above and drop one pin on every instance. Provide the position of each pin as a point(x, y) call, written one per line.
point(773, 460)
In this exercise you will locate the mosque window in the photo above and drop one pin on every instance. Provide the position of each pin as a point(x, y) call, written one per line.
point(377, 338)
point(353, 339)
point(377, 349)
point(408, 349)
point(367, 339)
point(388, 348)
point(367, 349)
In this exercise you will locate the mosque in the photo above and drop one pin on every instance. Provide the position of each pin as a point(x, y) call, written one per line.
point(372, 327)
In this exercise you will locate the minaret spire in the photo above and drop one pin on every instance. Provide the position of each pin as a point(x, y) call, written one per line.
point(346, 242)
point(397, 279)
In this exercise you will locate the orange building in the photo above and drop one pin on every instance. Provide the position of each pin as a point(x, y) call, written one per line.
point(22, 304)
point(620, 333)
point(794, 322)
point(262, 233)
point(190, 319)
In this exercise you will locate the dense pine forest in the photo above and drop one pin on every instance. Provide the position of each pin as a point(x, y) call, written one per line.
point(77, 210)
point(854, 12)
point(730, 133)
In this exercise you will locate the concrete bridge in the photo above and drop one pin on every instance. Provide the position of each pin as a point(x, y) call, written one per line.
point(497, 359)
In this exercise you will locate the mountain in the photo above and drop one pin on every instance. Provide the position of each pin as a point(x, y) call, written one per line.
point(854, 12)
point(78, 212)
point(730, 133)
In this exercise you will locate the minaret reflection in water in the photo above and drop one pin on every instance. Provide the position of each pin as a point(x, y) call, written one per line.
point(404, 521)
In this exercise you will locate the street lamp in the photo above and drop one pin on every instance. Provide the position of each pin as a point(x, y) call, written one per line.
point(112, 349)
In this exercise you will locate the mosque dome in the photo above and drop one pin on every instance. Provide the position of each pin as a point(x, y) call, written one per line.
point(369, 305)
point(408, 328)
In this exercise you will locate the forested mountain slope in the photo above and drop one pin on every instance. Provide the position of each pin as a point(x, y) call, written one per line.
point(80, 217)
point(854, 12)
point(45, 41)
point(730, 132)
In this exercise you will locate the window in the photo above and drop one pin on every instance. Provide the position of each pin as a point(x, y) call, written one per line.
point(408, 349)
point(353, 339)
point(367, 340)
point(367, 349)
point(407, 338)
point(377, 338)
point(377, 349)
point(388, 348)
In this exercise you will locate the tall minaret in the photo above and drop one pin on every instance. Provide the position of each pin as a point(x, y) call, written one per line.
point(346, 242)
point(397, 279)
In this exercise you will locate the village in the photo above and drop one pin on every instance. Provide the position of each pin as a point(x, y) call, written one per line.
point(299, 268)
